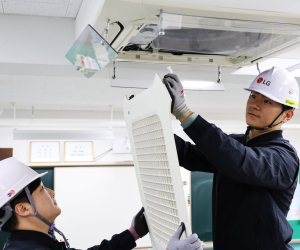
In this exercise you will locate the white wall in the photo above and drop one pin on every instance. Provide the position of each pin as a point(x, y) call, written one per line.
point(6, 137)
point(21, 148)
point(35, 40)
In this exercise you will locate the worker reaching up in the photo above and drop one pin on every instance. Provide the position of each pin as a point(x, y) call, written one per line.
point(256, 173)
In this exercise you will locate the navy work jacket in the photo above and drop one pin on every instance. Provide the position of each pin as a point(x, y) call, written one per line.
point(253, 186)
point(32, 240)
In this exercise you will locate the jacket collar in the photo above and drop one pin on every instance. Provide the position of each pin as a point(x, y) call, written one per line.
point(276, 134)
point(38, 237)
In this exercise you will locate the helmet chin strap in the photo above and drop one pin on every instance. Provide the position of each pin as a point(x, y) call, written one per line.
point(51, 225)
point(271, 125)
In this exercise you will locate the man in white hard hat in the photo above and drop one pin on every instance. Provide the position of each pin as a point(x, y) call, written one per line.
point(28, 210)
point(256, 173)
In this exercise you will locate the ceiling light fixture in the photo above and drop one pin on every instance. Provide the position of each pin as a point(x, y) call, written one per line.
point(63, 135)
point(59, 134)
point(204, 85)
point(289, 64)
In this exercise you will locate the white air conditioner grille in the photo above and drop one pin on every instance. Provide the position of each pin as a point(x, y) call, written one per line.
point(156, 177)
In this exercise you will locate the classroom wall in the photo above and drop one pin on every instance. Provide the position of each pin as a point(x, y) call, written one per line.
point(22, 148)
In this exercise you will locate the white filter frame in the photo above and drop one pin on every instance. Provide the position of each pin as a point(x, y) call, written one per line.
point(148, 121)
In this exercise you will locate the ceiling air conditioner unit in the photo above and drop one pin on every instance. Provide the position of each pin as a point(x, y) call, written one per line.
point(183, 35)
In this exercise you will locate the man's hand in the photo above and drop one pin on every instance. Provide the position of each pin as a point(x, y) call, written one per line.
point(139, 227)
point(190, 243)
point(175, 89)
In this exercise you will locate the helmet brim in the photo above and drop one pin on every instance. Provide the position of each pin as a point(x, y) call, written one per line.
point(269, 96)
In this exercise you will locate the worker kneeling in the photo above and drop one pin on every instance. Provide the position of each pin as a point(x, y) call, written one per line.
point(28, 210)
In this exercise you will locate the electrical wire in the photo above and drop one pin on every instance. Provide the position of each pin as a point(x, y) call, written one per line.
point(102, 155)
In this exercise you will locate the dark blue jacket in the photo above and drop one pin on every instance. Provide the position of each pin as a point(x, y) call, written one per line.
point(253, 185)
point(32, 240)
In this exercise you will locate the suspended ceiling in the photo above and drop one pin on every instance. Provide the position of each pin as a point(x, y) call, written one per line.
point(55, 8)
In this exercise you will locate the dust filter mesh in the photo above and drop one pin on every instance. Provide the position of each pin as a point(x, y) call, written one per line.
point(156, 177)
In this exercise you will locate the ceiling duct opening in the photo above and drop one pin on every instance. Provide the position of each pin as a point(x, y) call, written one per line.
point(234, 39)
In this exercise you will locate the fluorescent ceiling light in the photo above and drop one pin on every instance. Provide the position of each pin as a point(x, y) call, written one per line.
point(203, 85)
point(268, 64)
point(63, 135)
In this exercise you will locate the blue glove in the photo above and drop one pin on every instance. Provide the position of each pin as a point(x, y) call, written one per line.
point(175, 89)
point(190, 243)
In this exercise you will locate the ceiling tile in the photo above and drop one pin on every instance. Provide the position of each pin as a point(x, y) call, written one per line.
point(40, 8)
point(5, 78)
point(4, 87)
point(1, 6)
point(73, 8)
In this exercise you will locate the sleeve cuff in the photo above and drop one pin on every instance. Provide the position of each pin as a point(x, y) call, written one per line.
point(197, 128)
point(188, 121)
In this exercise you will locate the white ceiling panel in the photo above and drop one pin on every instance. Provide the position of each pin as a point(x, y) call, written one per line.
point(6, 87)
point(73, 8)
point(35, 8)
point(287, 6)
point(55, 8)
point(64, 91)
point(5, 79)
point(1, 6)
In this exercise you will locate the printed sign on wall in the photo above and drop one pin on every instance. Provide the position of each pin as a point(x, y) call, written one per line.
point(43, 151)
point(79, 151)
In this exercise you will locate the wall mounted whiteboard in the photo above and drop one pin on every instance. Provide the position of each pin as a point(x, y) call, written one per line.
point(149, 127)
point(96, 203)
point(44, 151)
point(79, 151)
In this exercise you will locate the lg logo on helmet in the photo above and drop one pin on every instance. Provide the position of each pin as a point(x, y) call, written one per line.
point(11, 193)
point(261, 80)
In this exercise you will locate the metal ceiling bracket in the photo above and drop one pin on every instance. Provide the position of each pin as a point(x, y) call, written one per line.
point(114, 70)
point(106, 31)
point(161, 32)
point(219, 74)
point(257, 66)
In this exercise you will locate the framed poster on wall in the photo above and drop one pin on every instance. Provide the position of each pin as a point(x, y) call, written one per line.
point(44, 151)
point(79, 151)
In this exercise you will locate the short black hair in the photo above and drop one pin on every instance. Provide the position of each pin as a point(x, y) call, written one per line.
point(288, 107)
point(12, 223)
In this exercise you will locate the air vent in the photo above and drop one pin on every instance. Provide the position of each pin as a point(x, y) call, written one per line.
point(189, 59)
point(138, 57)
point(160, 58)
point(216, 36)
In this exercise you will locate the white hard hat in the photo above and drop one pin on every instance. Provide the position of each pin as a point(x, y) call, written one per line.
point(278, 85)
point(14, 177)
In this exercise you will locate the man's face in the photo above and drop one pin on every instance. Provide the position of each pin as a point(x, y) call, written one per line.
point(45, 203)
point(261, 111)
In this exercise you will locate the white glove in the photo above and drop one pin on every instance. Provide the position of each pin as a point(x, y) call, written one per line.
point(190, 243)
